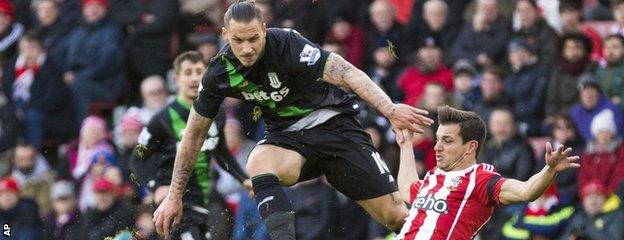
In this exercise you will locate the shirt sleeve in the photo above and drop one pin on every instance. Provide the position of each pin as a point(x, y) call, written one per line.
point(304, 56)
point(212, 91)
point(489, 184)
point(414, 188)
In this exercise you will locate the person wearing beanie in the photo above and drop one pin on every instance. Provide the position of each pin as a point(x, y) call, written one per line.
point(153, 160)
point(10, 31)
point(603, 159)
point(108, 216)
point(62, 223)
point(464, 81)
point(600, 216)
point(22, 214)
point(92, 58)
point(591, 102)
point(526, 84)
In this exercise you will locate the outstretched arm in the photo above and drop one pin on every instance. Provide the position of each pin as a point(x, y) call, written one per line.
point(341, 73)
point(513, 191)
point(407, 166)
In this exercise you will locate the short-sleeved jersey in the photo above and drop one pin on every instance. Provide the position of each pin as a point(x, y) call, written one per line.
point(452, 205)
point(286, 82)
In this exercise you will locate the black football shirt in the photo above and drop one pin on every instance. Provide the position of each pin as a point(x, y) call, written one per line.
point(285, 82)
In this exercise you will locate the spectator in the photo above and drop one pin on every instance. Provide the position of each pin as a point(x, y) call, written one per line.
point(51, 25)
point(487, 27)
point(512, 157)
point(427, 68)
point(10, 126)
point(435, 24)
point(77, 156)
point(491, 93)
point(536, 31)
point(591, 102)
point(155, 97)
point(464, 78)
point(109, 215)
point(20, 213)
point(92, 58)
point(267, 11)
point(526, 84)
point(62, 223)
point(571, 23)
point(312, 203)
point(128, 137)
point(103, 165)
point(35, 84)
point(385, 29)
point(617, 8)
point(149, 41)
point(32, 173)
point(454, 13)
point(433, 97)
point(506, 150)
point(351, 37)
point(385, 71)
point(603, 159)
point(561, 93)
point(611, 76)
point(10, 31)
point(564, 133)
point(595, 220)
point(205, 43)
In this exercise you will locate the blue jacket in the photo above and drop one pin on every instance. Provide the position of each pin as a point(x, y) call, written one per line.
point(527, 87)
point(583, 117)
point(95, 52)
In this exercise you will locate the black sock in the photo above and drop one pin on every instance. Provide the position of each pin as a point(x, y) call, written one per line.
point(274, 207)
point(270, 196)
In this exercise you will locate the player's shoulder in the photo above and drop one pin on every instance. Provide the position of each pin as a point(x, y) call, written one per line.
point(282, 33)
point(485, 170)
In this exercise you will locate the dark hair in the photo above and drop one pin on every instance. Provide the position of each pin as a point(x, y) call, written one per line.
point(568, 120)
point(192, 56)
point(567, 5)
point(32, 36)
point(494, 70)
point(615, 3)
point(242, 11)
point(471, 126)
point(532, 2)
point(578, 37)
point(614, 36)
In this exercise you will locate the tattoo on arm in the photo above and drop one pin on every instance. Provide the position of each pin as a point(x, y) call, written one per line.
point(194, 135)
point(341, 73)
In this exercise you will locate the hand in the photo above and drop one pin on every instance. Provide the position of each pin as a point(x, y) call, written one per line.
point(559, 160)
point(69, 77)
point(407, 137)
point(403, 116)
point(170, 210)
point(483, 59)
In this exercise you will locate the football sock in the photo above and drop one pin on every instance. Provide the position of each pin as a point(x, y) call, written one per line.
point(274, 207)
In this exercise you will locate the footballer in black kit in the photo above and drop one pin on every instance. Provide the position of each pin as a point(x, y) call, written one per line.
point(310, 122)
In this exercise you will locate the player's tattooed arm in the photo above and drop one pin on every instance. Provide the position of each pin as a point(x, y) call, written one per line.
point(341, 73)
point(194, 135)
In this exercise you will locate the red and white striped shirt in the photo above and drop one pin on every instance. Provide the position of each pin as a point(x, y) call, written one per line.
point(452, 205)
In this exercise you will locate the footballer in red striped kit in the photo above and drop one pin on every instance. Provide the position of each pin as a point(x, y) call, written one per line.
point(456, 198)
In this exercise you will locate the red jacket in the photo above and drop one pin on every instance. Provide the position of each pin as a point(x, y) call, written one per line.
point(607, 167)
point(413, 82)
point(596, 42)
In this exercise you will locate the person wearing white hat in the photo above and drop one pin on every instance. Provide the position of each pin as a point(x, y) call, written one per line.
point(62, 222)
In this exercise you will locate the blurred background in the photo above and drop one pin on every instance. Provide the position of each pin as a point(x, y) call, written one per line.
point(81, 78)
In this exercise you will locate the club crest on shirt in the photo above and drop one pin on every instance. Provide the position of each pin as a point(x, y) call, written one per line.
point(274, 81)
point(455, 183)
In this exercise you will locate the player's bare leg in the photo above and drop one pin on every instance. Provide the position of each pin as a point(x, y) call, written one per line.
point(270, 167)
point(388, 209)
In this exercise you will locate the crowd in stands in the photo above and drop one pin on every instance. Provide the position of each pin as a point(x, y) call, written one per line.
point(81, 78)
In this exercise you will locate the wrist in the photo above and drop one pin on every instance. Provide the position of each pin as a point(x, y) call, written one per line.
point(388, 111)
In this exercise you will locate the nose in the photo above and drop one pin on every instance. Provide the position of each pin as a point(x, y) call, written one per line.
point(438, 146)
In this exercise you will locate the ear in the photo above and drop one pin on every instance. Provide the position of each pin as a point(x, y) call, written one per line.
point(264, 29)
point(472, 146)
point(224, 34)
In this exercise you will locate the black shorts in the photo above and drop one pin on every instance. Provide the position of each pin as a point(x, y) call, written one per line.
point(343, 151)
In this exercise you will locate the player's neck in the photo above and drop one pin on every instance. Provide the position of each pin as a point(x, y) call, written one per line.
point(462, 164)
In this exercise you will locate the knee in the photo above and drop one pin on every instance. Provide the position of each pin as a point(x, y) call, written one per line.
point(255, 165)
